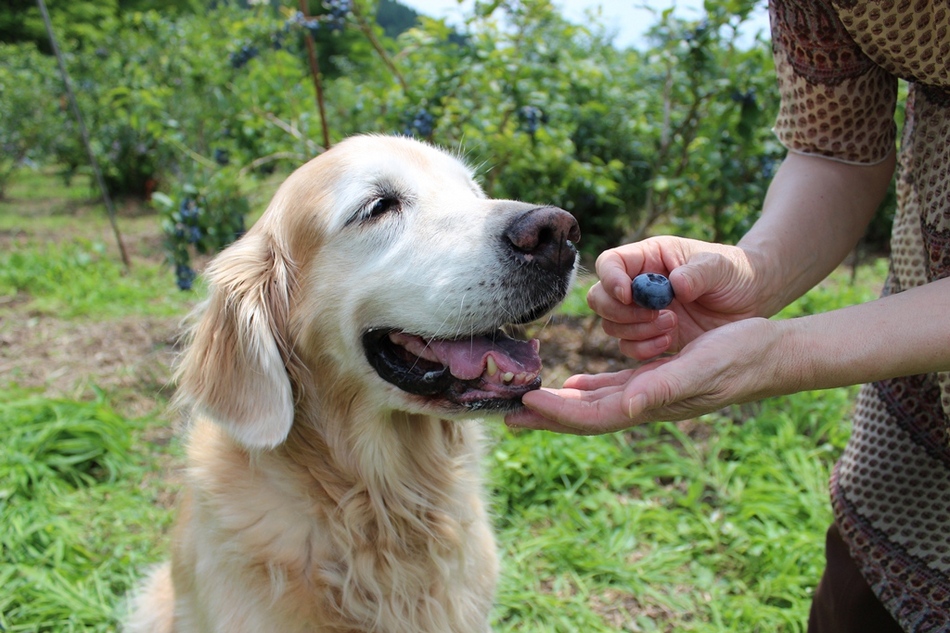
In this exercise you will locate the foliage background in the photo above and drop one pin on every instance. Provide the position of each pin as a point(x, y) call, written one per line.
point(550, 110)
point(194, 100)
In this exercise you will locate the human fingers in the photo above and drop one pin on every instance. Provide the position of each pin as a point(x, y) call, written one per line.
point(731, 364)
point(527, 419)
point(642, 328)
point(592, 382)
point(594, 412)
point(615, 269)
point(669, 388)
point(711, 275)
point(609, 308)
point(574, 411)
point(647, 349)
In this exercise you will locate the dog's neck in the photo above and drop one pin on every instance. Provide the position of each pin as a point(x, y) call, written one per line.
point(356, 447)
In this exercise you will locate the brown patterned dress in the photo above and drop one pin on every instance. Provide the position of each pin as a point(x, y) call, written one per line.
point(838, 64)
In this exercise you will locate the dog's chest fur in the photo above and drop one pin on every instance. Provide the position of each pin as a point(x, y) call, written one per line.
point(407, 548)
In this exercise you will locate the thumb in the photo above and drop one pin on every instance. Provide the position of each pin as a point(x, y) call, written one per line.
point(703, 274)
point(651, 387)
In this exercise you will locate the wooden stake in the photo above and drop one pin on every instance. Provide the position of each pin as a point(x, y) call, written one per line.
point(315, 71)
point(110, 209)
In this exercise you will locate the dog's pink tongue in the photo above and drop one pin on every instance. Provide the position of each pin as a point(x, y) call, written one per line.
point(468, 359)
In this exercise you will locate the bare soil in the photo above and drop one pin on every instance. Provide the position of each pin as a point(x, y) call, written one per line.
point(128, 356)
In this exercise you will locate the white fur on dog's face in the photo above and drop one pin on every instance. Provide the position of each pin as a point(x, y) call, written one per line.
point(419, 264)
point(386, 235)
point(432, 263)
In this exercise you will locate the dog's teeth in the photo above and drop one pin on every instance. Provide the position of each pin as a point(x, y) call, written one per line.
point(492, 366)
point(508, 377)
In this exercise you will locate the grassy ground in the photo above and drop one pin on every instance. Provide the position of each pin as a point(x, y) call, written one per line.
point(714, 524)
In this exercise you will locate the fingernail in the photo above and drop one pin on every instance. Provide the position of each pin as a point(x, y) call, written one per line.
point(636, 405)
point(665, 321)
point(619, 293)
point(662, 343)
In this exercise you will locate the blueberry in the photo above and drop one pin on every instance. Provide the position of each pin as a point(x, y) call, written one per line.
point(194, 234)
point(531, 118)
point(184, 276)
point(652, 291)
point(422, 124)
point(188, 210)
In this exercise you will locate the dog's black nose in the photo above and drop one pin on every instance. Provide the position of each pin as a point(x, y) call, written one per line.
point(545, 236)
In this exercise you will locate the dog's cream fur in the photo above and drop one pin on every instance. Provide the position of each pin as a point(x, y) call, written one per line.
point(320, 497)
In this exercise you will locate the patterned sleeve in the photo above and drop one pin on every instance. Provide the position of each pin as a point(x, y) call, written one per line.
point(836, 102)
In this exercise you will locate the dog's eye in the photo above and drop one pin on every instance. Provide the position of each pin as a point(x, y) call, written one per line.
point(381, 206)
point(383, 201)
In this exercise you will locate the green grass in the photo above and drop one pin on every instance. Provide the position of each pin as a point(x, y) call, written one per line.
point(723, 533)
point(715, 525)
point(80, 278)
point(53, 445)
point(575, 303)
point(57, 256)
point(46, 184)
point(720, 531)
point(78, 524)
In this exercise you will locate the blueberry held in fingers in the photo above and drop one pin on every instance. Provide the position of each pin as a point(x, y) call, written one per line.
point(652, 291)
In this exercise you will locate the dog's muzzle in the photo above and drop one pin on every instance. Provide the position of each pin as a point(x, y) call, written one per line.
point(488, 371)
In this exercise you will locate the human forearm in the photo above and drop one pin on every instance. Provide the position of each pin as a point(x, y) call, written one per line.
point(815, 212)
point(900, 335)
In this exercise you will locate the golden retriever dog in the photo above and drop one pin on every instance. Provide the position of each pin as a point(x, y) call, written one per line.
point(335, 373)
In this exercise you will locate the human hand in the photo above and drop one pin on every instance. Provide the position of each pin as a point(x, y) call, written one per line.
point(714, 285)
point(739, 362)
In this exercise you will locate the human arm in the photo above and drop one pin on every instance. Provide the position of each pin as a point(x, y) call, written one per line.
point(814, 213)
point(839, 106)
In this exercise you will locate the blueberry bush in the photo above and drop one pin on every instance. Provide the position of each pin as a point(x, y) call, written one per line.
point(193, 109)
point(28, 125)
point(201, 216)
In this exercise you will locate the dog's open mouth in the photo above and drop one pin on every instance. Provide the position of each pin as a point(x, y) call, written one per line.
point(486, 372)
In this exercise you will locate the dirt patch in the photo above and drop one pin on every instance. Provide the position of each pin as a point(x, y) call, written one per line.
point(574, 345)
point(130, 356)
point(621, 611)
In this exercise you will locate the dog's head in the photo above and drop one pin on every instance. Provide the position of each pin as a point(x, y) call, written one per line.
point(381, 270)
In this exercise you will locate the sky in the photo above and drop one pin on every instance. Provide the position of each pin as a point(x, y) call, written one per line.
point(626, 18)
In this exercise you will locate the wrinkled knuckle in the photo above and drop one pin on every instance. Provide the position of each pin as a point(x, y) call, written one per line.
point(668, 393)
point(603, 259)
point(612, 329)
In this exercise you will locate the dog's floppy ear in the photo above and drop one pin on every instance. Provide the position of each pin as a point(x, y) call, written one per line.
point(235, 369)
